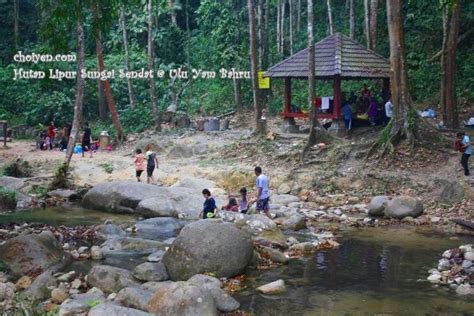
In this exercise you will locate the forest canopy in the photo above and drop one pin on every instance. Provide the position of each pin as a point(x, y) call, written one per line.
point(203, 35)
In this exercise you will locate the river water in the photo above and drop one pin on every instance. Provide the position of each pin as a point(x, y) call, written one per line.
point(375, 271)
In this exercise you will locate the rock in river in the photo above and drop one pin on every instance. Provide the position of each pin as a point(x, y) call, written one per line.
point(403, 206)
point(32, 254)
point(273, 288)
point(110, 309)
point(377, 205)
point(208, 246)
point(150, 271)
point(110, 279)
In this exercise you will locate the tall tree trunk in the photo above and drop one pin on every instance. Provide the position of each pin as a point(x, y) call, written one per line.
point(16, 18)
point(173, 12)
point(188, 34)
point(278, 32)
point(127, 57)
point(154, 106)
point(452, 120)
point(238, 95)
point(101, 101)
point(259, 8)
point(352, 19)
point(373, 22)
point(106, 84)
point(331, 30)
point(404, 120)
point(108, 91)
point(290, 4)
point(317, 132)
point(76, 123)
point(282, 25)
point(253, 61)
point(367, 23)
point(298, 16)
point(445, 17)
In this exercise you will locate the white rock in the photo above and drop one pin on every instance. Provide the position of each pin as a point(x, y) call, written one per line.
point(273, 288)
point(67, 277)
point(447, 254)
point(466, 264)
point(443, 265)
point(464, 289)
point(96, 253)
point(466, 248)
point(434, 278)
point(435, 219)
point(469, 256)
point(343, 217)
point(112, 296)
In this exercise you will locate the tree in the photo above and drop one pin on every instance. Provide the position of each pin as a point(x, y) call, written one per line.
point(154, 106)
point(101, 101)
point(127, 56)
point(16, 18)
point(290, 4)
point(76, 123)
point(404, 120)
point(173, 12)
point(448, 63)
point(367, 23)
point(316, 132)
point(260, 124)
point(352, 19)
point(106, 84)
point(373, 23)
point(330, 27)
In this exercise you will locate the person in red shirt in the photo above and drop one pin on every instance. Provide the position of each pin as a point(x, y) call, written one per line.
point(51, 134)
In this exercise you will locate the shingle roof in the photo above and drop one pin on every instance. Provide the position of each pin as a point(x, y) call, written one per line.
point(335, 55)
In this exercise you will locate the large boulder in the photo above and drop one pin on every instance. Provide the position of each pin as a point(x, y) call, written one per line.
point(403, 206)
point(451, 192)
point(41, 287)
point(134, 297)
point(157, 207)
point(121, 196)
point(158, 228)
point(294, 222)
point(181, 298)
point(79, 304)
point(224, 302)
point(208, 246)
point(110, 279)
point(150, 271)
point(377, 205)
point(110, 309)
point(32, 254)
point(256, 224)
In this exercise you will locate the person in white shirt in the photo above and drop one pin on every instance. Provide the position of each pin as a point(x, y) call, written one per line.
point(263, 192)
point(388, 111)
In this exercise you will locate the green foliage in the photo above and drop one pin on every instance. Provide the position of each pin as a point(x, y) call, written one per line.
point(108, 167)
point(93, 303)
point(7, 193)
point(61, 177)
point(19, 169)
point(40, 191)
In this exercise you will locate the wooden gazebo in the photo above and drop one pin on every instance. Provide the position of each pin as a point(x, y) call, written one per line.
point(337, 58)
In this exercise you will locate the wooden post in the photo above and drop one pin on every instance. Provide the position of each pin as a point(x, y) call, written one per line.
point(287, 95)
point(337, 96)
point(386, 89)
point(4, 123)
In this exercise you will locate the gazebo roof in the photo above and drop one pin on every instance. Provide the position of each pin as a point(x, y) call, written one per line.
point(335, 55)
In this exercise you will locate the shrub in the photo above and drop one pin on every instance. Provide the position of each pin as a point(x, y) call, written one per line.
point(18, 169)
point(7, 199)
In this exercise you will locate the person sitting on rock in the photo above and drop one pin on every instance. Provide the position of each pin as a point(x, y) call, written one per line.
point(243, 202)
point(209, 208)
point(232, 206)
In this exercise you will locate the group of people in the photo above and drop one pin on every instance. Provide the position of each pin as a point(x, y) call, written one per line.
point(368, 105)
point(148, 162)
point(262, 198)
point(52, 138)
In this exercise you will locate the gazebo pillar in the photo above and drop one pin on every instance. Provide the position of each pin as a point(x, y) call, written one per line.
point(289, 125)
point(287, 95)
point(337, 125)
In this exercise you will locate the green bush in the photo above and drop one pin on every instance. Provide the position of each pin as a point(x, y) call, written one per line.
point(7, 199)
point(18, 169)
point(61, 178)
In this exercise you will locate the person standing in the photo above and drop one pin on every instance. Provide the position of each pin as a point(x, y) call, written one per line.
point(243, 202)
point(263, 192)
point(388, 111)
point(51, 135)
point(139, 164)
point(347, 115)
point(151, 164)
point(209, 207)
point(372, 113)
point(466, 150)
point(86, 140)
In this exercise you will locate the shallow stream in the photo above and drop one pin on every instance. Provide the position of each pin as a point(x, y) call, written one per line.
point(375, 271)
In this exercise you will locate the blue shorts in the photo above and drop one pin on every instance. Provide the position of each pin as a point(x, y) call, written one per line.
point(348, 123)
point(263, 205)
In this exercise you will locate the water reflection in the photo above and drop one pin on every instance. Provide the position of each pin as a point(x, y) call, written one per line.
point(365, 276)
